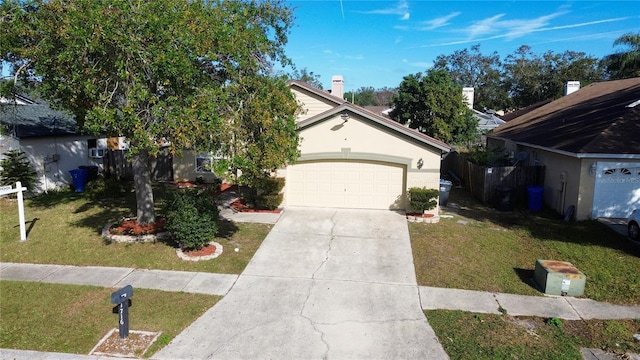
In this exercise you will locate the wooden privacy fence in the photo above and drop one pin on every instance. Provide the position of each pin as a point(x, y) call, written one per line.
point(117, 165)
point(484, 182)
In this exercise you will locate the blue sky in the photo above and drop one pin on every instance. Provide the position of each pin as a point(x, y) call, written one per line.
point(377, 43)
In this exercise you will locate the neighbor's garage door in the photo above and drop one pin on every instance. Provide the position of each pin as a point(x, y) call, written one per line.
point(345, 184)
point(617, 189)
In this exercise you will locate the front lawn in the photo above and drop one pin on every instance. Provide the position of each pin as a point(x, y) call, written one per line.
point(72, 318)
point(479, 248)
point(64, 228)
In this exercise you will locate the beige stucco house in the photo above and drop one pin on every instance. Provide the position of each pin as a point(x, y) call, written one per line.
point(589, 143)
point(353, 158)
point(349, 157)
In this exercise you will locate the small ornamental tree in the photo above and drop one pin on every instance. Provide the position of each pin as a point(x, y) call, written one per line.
point(16, 167)
point(422, 199)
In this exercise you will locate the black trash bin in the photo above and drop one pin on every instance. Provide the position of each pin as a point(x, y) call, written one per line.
point(92, 172)
point(445, 188)
point(505, 198)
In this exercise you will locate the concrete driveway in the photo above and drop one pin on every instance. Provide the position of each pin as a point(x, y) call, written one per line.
point(325, 284)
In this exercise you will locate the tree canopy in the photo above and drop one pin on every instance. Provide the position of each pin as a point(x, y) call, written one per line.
point(470, 68)
point(193, 73)
point(433, 104)
point(530, 78)
point(306, 76)
point(624, 63)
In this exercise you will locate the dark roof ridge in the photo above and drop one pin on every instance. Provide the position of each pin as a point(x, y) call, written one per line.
point(317, 91)
point(594, 119)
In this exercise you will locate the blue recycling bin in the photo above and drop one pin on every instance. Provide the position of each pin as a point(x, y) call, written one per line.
point(535, 197)
point(79, 177)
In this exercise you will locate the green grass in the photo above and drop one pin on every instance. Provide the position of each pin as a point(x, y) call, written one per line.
point(64, 228)
point(72, 319)
point(483, 336)
point(482, 249)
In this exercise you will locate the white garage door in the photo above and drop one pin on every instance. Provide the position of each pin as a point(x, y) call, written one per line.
point(345, 184)
point(617, 189)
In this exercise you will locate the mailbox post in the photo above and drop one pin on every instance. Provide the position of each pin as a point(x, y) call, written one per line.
point(122, 298)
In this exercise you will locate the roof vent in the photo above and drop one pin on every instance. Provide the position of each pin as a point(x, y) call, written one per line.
point(633, 104)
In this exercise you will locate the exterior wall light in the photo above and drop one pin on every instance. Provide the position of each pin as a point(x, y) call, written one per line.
point(345, 117)
point(420, 163)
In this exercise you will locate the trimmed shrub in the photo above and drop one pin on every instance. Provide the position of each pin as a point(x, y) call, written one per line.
point(422, 199)
point(191, 218)
point(269, 201)
point(271, 185)
point(268, 196)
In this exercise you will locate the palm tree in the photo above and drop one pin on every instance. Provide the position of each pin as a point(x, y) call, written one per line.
point(625, 64)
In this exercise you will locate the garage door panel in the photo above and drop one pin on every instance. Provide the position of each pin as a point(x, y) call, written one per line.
point(616, 189)
point(345, 184)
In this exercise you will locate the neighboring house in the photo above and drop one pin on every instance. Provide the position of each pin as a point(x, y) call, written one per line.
point(487, 121)
point(50, 140)
point(589, 143)
point(192, 166)
point(354, 158)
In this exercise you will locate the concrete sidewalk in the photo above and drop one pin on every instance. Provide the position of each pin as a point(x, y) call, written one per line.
point(115, 277)
point(219, 284)
point(567, 307)
point(431, 298)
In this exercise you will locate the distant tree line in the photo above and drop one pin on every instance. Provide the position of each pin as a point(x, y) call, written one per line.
point(432, 102)
point(520, 79)
point(525, 78)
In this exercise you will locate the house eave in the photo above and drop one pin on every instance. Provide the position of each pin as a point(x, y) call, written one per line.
point(323, 94)
point(384, 122)
point(571, 154)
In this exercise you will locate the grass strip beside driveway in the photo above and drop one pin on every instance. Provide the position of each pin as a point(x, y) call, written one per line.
point(72, 318)
point(478, 248)
point(466, 335)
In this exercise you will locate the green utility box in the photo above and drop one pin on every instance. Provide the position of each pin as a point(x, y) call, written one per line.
point(559, 278)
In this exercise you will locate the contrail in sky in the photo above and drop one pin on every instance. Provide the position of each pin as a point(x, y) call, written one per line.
point(342, 9)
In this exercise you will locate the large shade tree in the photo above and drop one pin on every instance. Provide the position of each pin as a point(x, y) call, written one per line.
point(469, 67)
point(531, 78)
point(194, 73)
point(433, 104)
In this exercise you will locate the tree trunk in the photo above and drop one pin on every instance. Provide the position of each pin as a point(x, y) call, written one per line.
point(144, 191)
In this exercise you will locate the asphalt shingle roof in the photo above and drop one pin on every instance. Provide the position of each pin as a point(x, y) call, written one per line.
point(34, 120)
point(598, 118)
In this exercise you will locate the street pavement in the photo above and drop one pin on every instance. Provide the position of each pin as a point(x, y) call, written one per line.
point(326, 283)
